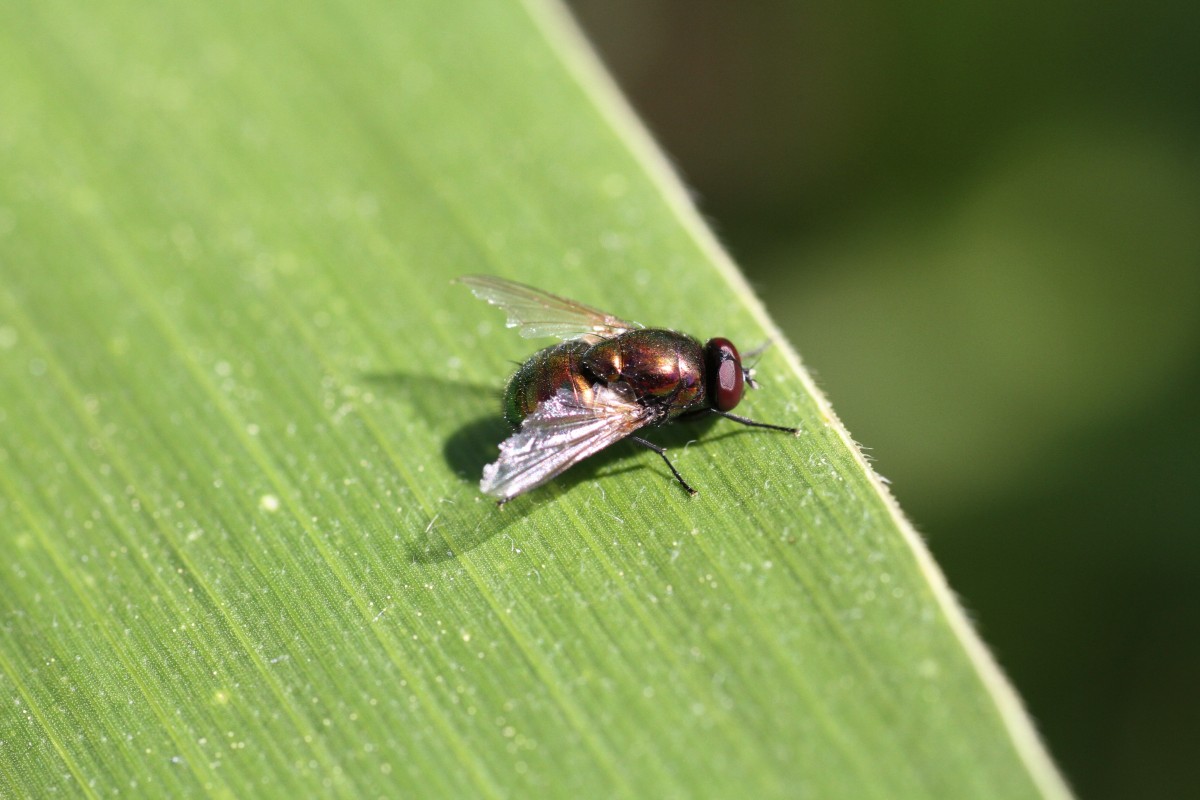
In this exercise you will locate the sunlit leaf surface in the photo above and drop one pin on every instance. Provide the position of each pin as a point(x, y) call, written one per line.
point(243, 414)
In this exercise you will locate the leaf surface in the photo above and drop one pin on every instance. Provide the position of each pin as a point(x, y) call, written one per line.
point(243, 414)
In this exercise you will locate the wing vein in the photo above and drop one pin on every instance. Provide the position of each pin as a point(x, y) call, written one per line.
point(561, 432)
point(540, 314)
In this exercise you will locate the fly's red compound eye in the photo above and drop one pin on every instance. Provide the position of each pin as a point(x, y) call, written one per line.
point(724, 374)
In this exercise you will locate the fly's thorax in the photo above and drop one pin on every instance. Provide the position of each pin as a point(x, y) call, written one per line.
point(542, 375)
point(658, 365)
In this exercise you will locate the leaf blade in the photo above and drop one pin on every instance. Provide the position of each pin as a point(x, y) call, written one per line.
point(241, 530)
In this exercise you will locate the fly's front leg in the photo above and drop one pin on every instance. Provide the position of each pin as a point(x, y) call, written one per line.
point(753, 424)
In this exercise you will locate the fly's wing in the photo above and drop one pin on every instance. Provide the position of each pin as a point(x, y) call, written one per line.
point(560, 432)
point(537, 313)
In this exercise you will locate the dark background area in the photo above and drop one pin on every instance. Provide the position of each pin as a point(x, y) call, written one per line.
point(981, 227)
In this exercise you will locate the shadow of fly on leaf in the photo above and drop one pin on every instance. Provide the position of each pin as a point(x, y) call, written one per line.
point(459, 528)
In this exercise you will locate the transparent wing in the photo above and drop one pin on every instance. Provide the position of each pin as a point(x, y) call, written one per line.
point(560, 432)
point(537, 313)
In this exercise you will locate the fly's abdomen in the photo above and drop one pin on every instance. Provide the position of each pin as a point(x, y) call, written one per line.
point(541, 377)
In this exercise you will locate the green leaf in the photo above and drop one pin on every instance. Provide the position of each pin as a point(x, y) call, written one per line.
point(243, 414)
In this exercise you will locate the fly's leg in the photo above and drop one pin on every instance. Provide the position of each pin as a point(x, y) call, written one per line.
point(662, 451)
point(753, 424)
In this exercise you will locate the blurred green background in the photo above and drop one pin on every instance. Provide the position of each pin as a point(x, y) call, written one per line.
point(981, 227)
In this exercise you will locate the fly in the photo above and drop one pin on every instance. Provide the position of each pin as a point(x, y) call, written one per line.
point(607, 379)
